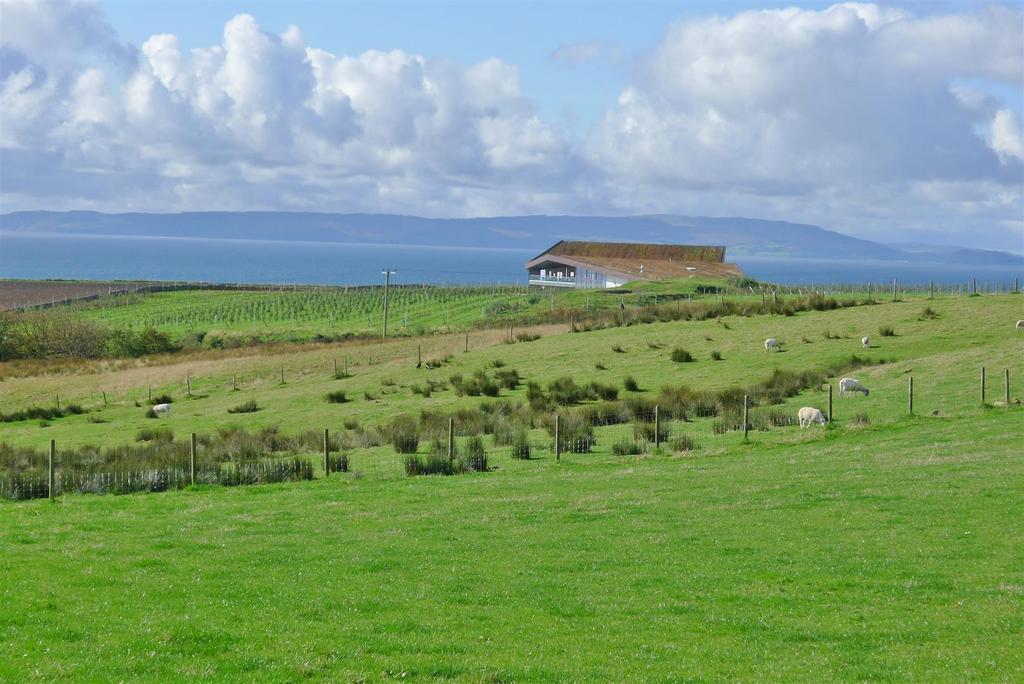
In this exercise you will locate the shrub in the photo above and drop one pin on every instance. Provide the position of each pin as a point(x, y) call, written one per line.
point(337, 397)
point(681, 356)
point(75, 409)
point(161, 399)
point(716, 356)
point(886, 331)
point(631, 384)
point(159, 434)
point(246, 407)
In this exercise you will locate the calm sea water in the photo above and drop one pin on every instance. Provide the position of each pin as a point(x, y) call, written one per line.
point(259, 261)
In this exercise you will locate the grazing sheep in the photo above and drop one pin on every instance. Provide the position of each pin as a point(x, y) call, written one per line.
point(162, 409)
point(808, 415)
point(771, 343)
point(1020, 325)
point(865, 341)
point(849, 386)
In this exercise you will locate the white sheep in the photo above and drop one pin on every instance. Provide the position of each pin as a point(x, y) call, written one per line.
point(162, 409)
point(849, 386)
point(865, 341)
point(1020, 325)
point(771, 343)
point(808, 415)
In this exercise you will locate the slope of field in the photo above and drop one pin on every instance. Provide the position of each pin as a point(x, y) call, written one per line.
point(886, 554)
point(886, 547)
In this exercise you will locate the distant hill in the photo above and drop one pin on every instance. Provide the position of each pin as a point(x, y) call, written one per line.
point(741, 236)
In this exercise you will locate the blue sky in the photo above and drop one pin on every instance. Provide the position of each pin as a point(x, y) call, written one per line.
point(893, 121)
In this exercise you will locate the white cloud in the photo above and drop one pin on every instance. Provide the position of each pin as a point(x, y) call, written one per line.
point(859, 117)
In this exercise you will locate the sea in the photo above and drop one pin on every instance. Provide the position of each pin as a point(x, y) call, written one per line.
point(108, 257)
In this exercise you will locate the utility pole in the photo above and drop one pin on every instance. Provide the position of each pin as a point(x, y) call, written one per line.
point(387, 281)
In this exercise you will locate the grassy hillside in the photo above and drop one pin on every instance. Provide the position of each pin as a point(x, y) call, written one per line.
point(885, 546)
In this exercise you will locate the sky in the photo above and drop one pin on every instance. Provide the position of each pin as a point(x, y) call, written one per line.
point(898, 122)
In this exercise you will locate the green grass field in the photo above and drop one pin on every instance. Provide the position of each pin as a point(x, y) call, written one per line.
point(886, 551)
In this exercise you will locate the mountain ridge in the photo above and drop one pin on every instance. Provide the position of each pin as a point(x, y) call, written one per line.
point(740, 235)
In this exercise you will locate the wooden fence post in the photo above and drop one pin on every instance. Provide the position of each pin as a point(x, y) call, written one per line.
point(346, 364)
point(192, 459)
point(894, 289)
point(657, 428)
point(335, 367)
point(49, 479)
point(282, 375)
point(982, 384)
point(746, 422)
point(188, 385)
point(974, 285)
point(327, 453)
point(150, 393)
point(931, 289)
point(419, 355)
point(104, 398)
point(234, 382)
point(910, 395)
point(558, 438)
point(1006, 386)
point(830, 402)
point(467, 341)
point(451, 441)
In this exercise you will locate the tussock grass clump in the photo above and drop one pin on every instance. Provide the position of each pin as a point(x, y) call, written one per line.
point(605, 392)
point(430, 464)
point(929, 314)
point(245, 407)
point(508, 378)
point(158, 434)
point(403, 433)
point(520, 444)
point(34, 413)
point(474, 456)
point(351, 424)
point(716, 355)
point(682, 356)
point(162, 399)
point(681, 443)
point(476, 385)
point(336, 397)
point(860, 420)
point(369, 396)
point(886, 331)
point(628, 447)
point(526, 337)
point(98, 419)
point(564, 391)
point(618, 349)
point(630, 383)
point(829, 335)
point(644, 430)
point(338, 463)
point(600, 366)
point(497, 363)
point(575, 434)
point(655, 345)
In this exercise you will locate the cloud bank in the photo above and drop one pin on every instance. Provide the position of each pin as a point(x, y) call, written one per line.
point(859, 117)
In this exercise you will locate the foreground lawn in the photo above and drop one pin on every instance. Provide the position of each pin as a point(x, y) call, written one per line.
point(884, 553)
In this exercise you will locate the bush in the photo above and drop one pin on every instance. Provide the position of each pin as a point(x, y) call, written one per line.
point(886, 331)
point(631, 384)
point(337, 397)
point(246, 407)
point(564, 391)
point(716, 356)
point(682, 356)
